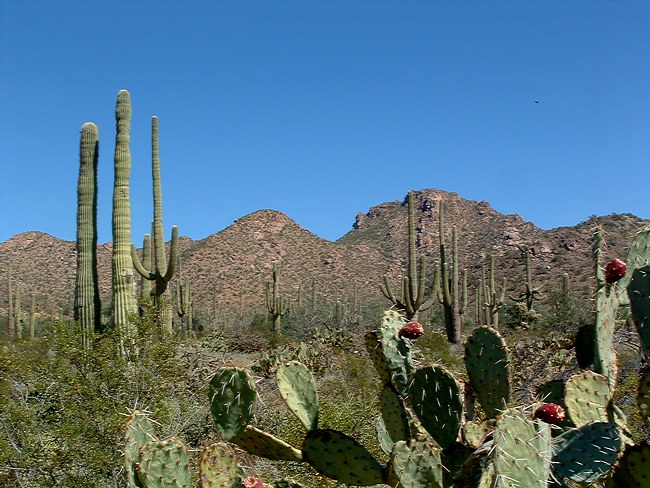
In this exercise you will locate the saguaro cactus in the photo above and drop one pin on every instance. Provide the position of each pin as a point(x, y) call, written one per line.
point(448, 294)
point(10, 305)
point(162, 271)
point(494, 299)
point(87, 307)
point(411, 301)
point(123, 282)
point(276, 304)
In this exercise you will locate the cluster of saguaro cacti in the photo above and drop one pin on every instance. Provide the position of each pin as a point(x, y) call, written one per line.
point(277, 304)
point(490, 298)
point(411, 299)
point(150, 462)
point(447, 288)
point(157, 269)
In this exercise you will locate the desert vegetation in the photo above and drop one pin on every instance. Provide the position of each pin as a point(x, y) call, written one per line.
point(452, 376)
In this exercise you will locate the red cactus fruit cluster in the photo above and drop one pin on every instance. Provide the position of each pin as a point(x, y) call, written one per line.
point(412, 330)
point(615, 270)
point(550, 413)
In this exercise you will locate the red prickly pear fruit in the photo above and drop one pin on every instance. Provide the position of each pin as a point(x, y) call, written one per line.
point(550, 413)
point(251, 482)
point(615, 270)
point(412, 330)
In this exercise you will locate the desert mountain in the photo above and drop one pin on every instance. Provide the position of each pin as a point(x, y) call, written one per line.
point(239, 259)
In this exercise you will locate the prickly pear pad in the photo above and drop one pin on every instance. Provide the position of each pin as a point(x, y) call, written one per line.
point(522, 451)
point(395, 419)
point(638, 256)
point(338, 456)
point(588, 453)
point(263, 444)
point(233, 397)
point(218, 467)
point(633, 469)
point(298, 389)
point(139, 431)
point(164, 464)
point(643, 398)
point(415, 464)
point(436, 400)
point(639, 293)
point(397, 352)
point(488, 367)
point(587, 398)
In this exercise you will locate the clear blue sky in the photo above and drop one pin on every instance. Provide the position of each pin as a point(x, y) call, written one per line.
point(322, 109)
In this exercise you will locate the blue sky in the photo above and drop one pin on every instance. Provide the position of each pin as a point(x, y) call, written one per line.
point(322, 109)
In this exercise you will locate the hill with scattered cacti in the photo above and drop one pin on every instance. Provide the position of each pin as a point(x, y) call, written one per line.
point(239, 259)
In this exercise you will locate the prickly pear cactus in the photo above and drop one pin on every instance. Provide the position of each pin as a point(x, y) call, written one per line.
point(436, 399)
point(263, 444)
point(587, 397)
point(521, 451)
point(393, 425)
point(339, 456)
point(639, 293)
point(633, 469)
point(164, 464)
point(298, 389)
point(233, 398)
point(139, 431)
point(588, 453)
point(415, 464)
point(488, 367)
point(218, 467)
point(390, 353)
point(643, 398)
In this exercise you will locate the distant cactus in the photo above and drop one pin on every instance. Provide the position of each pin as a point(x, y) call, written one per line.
point(276, 304)
point(87, 306)
point(448, 287)
point(123, 280)
point(494, 297)
point(411, 300)
point(10, 305)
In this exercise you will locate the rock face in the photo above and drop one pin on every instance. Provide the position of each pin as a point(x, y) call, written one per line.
point(239, 259)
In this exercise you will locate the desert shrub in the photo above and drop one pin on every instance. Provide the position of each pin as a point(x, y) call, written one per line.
point(64, 409)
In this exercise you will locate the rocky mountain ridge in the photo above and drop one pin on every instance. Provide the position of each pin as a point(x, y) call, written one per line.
point(234, 264)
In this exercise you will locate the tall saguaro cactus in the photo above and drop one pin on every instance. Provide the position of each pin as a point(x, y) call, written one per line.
point(162, 271)
point(87, 308)
point(412, 299)
point(448, 294)
point(123, 282)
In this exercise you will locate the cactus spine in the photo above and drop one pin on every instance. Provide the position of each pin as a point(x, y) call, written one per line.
point(162, 271)
point(123, 282)
point(412, 299)
point(87, 307)
point(448, 294)
point(276, 304)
